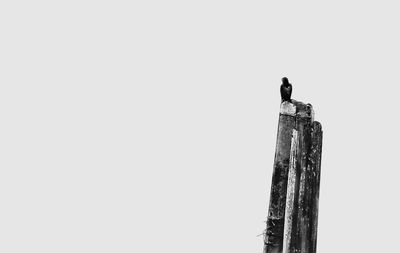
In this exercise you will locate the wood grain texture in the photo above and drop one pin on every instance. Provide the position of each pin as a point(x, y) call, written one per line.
point(290, 194)
point(297, 241)
point(301, 231)
point(315, 168)
point(276, 213)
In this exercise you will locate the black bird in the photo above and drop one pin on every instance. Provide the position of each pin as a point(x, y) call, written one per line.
point(286, 90)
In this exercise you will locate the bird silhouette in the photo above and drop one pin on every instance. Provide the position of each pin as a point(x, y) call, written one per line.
point(286, 90)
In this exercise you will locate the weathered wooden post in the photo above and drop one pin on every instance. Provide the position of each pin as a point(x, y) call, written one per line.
point(293, 208)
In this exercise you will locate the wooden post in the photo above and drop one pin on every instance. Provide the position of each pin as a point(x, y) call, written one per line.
point(293, 210)
point(300, 233)
point(296, 218)
point(273, 241)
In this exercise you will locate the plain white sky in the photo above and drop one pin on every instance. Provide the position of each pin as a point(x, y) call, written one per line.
point(150, 126)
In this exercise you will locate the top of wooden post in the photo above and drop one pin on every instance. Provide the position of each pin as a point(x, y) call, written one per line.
point(297, 109)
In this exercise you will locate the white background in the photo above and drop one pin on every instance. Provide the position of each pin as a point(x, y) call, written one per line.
point(150, 126)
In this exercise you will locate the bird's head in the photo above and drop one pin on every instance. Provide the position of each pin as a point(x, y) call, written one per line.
point(285, 80)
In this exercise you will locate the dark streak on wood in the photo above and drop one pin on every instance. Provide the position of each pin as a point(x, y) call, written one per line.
point(315, 168)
